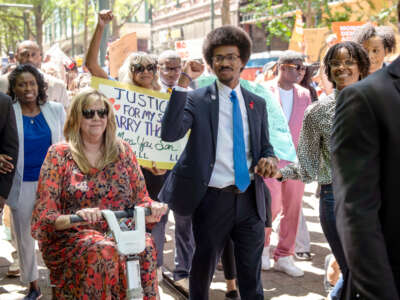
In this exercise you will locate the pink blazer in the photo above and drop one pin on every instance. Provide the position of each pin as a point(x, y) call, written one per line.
point(301, 99)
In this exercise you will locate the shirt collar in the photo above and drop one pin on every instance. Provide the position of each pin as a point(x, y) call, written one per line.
point(222, 88)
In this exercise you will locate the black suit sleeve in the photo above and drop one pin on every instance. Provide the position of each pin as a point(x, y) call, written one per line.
point(8, 141)
point(266, 148)
point(178, 117)
point(356, 180)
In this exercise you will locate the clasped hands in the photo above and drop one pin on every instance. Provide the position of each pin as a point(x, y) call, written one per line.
point(267, 167)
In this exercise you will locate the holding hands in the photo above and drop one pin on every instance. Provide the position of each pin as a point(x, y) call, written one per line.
point(267, 167)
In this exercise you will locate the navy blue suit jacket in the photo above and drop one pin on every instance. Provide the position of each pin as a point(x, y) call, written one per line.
point(198, 111)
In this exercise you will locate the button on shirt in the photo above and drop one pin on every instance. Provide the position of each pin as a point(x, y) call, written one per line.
point(223, 173)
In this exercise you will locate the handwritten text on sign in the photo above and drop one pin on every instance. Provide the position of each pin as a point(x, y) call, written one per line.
point(138, 113)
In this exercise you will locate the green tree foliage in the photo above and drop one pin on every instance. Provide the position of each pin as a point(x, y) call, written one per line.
point(277, 16)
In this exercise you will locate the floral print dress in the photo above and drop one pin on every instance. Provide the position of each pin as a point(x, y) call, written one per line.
point(83, 261)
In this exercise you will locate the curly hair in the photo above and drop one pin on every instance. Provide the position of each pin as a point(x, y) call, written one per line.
point(125, 73)
point(356, 51)
point(368, 31)
point(28, 68)
point(227, 35)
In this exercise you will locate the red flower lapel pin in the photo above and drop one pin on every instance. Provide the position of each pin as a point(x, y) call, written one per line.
point(251, 104)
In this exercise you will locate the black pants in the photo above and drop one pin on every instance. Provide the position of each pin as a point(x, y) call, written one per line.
point(222, 216)
point(228, 261)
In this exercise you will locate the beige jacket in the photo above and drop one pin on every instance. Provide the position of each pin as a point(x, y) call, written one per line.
point(56, 90)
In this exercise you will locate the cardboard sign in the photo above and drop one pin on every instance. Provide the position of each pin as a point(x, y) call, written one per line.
point(345, 30)
point(189, 49)
point(119, 50)
point(138, 113)
point(314, 40)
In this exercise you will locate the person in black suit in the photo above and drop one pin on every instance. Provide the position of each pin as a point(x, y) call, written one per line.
point(8, 147)
point(366, 162)
point(219, 176)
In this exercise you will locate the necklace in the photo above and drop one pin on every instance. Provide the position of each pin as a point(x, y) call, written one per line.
point(32, 121)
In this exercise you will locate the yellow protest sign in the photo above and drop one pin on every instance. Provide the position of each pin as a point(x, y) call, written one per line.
point(138, 114)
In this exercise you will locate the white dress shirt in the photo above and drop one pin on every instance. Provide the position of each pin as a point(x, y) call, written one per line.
point(223, 173)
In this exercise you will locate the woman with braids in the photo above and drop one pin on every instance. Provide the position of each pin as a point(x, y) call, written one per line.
point(345, 63)
point(39, 123)
point(378, 42)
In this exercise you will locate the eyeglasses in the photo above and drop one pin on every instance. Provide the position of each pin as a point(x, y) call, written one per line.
point(89, 113)
point(138, 68)
point(296, 67)
point(217, 59)
point(338, 63)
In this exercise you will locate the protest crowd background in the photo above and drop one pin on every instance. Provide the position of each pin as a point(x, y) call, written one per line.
point(221, 145)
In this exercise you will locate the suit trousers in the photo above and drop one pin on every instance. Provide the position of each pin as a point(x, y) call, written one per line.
point(184, 246)
point(21, 226)
point(228, 261)
point(158, 233)
point(221, 216)
point(154, 184)
point(286, 197)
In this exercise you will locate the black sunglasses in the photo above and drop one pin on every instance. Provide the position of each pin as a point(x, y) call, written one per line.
point(138, 68)
point(89, 113)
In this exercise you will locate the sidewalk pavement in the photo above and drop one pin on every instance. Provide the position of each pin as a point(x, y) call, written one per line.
point(277, 285)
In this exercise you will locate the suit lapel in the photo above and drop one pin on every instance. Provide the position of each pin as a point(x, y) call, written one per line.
point(251, 119)
point(214, 111)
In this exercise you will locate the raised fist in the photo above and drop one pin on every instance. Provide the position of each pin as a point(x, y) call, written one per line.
point(105, 17)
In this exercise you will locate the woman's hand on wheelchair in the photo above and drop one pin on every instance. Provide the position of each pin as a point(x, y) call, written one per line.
point(158, 209)
point(90, 215)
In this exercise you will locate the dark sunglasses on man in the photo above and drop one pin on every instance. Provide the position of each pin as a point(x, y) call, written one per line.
point(138, 68)
point(89, 113)
point(296, 67)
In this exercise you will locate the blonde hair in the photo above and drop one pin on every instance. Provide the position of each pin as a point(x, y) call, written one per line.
point(125, 73)
point(72, 131)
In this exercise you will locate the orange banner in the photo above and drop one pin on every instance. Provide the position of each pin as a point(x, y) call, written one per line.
point(345, 30)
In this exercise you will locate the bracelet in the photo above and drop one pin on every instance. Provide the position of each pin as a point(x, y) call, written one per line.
point(187, 76)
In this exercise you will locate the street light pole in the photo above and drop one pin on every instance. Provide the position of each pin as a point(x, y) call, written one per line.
point(103, 4)
point(212, 14)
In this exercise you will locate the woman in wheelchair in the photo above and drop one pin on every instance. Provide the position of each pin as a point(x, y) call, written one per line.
point(91, 171)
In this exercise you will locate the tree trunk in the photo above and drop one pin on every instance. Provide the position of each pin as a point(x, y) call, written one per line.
point(39, 26)
point(308, 15)
point(225, 12)
point(85, 27)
